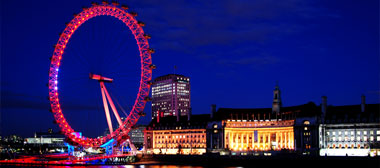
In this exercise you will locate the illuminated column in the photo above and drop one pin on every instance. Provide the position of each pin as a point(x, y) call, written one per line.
point(241, 139)
point(286, 140)
point(258, 140)
point(236, 142)
point(281, 140)
point(264, 140)
point(269, 143)
point(247, 136)
point(276, 140)
point(253, 140)
point(229, 140)
point(154, 140)
point(290, 140)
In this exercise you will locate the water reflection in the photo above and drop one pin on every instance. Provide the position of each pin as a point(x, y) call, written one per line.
point(105, 166)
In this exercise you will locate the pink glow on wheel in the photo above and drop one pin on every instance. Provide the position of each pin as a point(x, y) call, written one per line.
point(146, 72)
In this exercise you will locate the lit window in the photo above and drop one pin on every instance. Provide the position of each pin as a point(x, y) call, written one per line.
point(306, 122)
point(340, 138)
point(345, 132)
point(371, 138)
point(305, 128)
point(357, 138)
point(365, 138)
point(358, 133)
point(378, 138)
point(371, 132)
point(364, 132)
point(340, 133)
point(333, 133)
point(352, 138)
point(352, 132)
point(215, 126)
point(377, 132)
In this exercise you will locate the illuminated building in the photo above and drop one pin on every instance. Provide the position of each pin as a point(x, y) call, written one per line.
point(275, 129)
point(171, 136)
point(45, 142)
point(352, 130)
point(250, 130)
point(137, 135)
point(171, 95)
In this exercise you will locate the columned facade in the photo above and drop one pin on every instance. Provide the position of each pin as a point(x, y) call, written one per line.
point(259, 135)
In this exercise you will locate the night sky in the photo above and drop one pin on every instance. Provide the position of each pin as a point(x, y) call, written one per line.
point(234, 52)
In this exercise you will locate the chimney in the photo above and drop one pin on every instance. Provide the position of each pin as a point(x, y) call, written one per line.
point(178, 114)
point(189, 114)
point(213, 110)
point(324, 107)
point(363, 103)
point(158, 116)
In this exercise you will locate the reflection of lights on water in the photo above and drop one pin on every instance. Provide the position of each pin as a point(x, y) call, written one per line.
point(128, 166)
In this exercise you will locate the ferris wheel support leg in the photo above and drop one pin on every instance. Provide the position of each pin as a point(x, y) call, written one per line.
point(106, 107)
point(112, 106)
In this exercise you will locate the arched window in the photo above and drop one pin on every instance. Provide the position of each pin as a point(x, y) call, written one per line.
point(306, 122)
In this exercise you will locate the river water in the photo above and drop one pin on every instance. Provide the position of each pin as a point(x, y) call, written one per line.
point(105, 166)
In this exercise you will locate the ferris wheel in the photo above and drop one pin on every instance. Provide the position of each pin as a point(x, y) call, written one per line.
point(119, 134)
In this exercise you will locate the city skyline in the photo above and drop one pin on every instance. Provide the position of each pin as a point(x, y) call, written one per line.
point(234, 52)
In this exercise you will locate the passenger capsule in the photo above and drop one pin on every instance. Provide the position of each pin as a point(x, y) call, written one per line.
point(147, 36)
point(151, 50)
point(134, 14)
point(152, 66)
point(124, 7)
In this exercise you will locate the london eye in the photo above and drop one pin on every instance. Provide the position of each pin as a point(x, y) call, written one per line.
point(119, 134)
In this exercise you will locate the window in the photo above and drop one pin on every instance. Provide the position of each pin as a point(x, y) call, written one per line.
point(339, 133)
point(352, 132)
point(306, 122)
point(333, 133)
point(305, 128)
point(328, 133)
point(352, 138)
point(371, 132)
point(333, 139)
point(340, 138)
point(365, 138)
point(377, 132)
point(364, 132)
point(371, 138)
point(345, 132)
point(358, 133)
point(357, 138)
point(215, 126)
point(378, 138)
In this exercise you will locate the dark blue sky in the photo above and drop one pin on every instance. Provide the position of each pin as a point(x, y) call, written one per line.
point(234, 51)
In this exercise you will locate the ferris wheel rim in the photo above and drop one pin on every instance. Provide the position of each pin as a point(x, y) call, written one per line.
point(146, 73)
